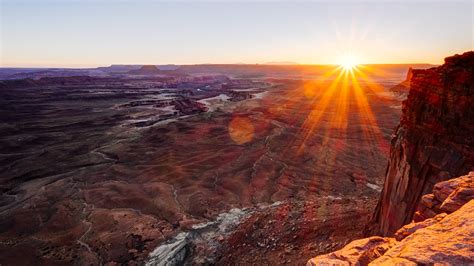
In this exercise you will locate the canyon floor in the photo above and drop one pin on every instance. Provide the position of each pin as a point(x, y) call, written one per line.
point(108, 173)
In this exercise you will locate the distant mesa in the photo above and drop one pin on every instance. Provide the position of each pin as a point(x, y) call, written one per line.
point(149, 68)
point(154, 70)
point(146, 70)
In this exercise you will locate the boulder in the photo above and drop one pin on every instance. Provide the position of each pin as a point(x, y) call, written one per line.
point(447, 197)
point(443, 190)
point(457, 199)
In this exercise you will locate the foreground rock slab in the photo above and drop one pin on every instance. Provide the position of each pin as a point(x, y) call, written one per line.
point(451, 241)
point(447, 238)
point(360, 251)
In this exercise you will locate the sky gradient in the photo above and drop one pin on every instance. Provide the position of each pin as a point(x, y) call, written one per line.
point(96, 33)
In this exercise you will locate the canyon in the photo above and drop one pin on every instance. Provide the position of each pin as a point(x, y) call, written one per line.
point(223, 164)
point(108, 169)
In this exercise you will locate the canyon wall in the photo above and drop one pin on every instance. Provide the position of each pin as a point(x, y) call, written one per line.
point(433, 142)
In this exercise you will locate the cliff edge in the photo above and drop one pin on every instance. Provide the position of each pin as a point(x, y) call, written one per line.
point(433, 142)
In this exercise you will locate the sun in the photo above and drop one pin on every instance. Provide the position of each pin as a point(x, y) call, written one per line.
point(348, 62)
point(348, 65)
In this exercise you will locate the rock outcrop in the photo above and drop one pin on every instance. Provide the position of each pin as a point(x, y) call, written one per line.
point(433, 142)
point(446, 238)
point(447, 197)
point(449, 242)
point(403, 88)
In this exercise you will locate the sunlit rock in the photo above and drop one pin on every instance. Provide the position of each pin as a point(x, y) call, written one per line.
point(357, 252)
point(450, 241)
point(444, 238)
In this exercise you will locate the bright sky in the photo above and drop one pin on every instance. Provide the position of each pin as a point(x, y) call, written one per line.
point(73, 33)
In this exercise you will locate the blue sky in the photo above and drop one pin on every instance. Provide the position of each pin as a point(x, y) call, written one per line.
point(91, 33)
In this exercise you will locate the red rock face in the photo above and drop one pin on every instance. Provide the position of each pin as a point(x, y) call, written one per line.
point(446, 238)
point(433, 142)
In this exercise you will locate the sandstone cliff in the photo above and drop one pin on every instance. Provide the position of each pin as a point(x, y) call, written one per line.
point(433, 142)
point(446, 238)
point(403, 88)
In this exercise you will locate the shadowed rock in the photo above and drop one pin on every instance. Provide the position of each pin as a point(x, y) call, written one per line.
point(433, 141)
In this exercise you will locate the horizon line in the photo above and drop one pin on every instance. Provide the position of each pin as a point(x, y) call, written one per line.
point(206, 64)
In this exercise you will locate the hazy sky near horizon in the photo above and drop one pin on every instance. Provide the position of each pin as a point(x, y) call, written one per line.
point(72, 33)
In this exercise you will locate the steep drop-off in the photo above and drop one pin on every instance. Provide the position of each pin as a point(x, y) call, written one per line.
point(433, 142)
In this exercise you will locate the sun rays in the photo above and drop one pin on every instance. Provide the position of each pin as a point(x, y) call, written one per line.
point(332, 100)
point(348, 63)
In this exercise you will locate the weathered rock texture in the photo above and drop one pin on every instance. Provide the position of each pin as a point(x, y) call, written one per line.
point(445, 238)
point(447, 197)
point(361, 251)
point(433, 142)
point(448, 242)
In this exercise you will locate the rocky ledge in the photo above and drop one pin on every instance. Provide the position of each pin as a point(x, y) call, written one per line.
point(447, 237)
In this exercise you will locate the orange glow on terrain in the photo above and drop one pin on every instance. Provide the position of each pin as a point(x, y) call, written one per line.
point(317, 135)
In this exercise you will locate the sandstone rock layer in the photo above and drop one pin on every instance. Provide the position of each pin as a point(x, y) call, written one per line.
point(433, 142)
point(447, 239)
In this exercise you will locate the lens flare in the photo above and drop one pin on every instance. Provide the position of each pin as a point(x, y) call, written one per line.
point(241, 130)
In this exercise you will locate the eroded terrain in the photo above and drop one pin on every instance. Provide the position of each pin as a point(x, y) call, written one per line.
point(97, 170)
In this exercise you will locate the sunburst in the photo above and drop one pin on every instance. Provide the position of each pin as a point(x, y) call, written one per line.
point(349, 62)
